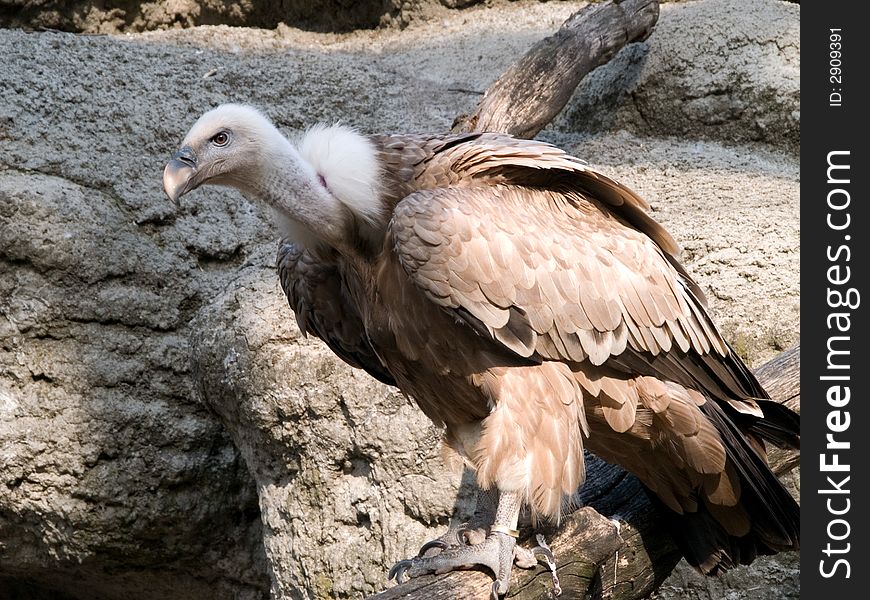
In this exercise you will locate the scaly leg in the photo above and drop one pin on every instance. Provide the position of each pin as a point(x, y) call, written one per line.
point(497, 551)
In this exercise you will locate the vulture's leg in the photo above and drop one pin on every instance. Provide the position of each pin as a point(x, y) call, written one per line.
point(497, 551)
point(473, 531)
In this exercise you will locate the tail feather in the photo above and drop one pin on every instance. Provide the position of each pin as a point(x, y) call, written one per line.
point(774, 514)
point(780, 426)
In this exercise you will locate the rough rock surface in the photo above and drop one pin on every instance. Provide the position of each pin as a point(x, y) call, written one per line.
point(118, 476)
point(348, 472)
point(716, 69)
point(115, 16)
point(776, 578)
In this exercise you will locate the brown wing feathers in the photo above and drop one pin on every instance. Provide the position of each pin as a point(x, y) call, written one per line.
point(314, 289)
point(542, 281)
point(556, 262)
point(774, 515)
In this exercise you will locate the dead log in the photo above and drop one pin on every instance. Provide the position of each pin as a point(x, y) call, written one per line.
point(536, 88)
point(594, 557)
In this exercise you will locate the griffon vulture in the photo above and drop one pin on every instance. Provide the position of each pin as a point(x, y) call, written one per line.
point(530, 306)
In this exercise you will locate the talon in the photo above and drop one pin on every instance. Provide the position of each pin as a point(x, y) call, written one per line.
point(545, 552)
point(500, 588)
point(398, 571)
point(543, 549)
point(440, 544)
point(495, 551)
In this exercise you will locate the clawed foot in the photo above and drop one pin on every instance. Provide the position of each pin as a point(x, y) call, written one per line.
point(464, 534)
point(497, 552)
point(488, 540)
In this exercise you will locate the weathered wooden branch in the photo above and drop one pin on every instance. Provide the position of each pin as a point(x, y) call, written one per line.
point(593, 557)
point(536, 88)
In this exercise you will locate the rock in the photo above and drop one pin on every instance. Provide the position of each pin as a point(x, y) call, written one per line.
point(459, 3)
point(348, 470)
point(768, 578)
point(116, 483)
point(713, 69)
point(111, 475)
point(115, 16)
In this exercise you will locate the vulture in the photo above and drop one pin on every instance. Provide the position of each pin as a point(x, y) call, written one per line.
point(532, 308)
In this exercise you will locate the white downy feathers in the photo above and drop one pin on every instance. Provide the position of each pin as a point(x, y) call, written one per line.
point(348, 163)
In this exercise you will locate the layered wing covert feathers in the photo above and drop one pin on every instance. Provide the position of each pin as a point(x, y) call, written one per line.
point(596, 251)
point(423, 163)
point(316, 293)
point(548, 273)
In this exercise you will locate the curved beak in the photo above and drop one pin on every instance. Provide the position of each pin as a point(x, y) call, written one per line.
point(178, 174)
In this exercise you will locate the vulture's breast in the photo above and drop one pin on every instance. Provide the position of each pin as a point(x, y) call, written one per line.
point(435, 359)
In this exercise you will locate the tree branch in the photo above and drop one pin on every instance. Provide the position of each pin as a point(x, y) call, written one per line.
point(538, 86)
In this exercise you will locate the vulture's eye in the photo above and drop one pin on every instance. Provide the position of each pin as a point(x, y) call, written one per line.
point(220, 139)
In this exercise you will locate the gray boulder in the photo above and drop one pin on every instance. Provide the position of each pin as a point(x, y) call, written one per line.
point(712, 69)
point(114, 16)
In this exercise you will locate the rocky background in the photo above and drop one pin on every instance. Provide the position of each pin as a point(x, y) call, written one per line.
point(117, 16)
point(165, 431)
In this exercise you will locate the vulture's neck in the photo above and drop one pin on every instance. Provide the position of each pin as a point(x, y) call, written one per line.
point(326, 189)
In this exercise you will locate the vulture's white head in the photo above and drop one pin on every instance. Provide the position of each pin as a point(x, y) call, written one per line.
point(325, 186)
point(228, 145)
